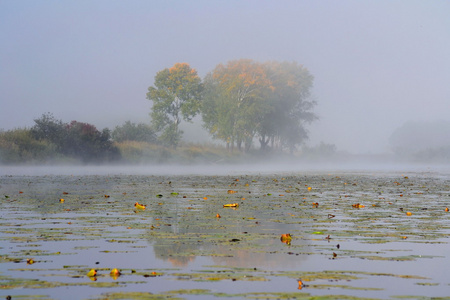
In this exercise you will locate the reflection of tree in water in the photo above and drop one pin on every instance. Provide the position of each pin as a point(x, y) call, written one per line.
point(234, 242)
point(175, 253)
point(184, 227)
point(169, 234)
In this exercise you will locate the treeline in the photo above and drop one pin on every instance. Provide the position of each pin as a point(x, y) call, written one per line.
point(51, 140)
point(240, 102)
point(422, 141)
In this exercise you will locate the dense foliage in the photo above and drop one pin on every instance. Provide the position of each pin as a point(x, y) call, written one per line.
point(244, 100)
point(239, 102)
point(51, 139)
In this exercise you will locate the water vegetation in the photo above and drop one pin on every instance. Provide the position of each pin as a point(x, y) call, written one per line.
point(179, 246)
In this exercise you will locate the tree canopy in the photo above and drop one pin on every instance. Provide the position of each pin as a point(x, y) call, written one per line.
point(245, 99)
point(176, 96)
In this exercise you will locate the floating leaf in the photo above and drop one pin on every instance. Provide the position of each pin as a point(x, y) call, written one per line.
point(231, 192)
point(115, 273)
point(92, 273)
point(231, 205)
point(140, 206)
point(357, 205)
point(286, 238)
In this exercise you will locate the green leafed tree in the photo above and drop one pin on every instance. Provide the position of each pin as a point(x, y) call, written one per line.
point(176, 96)
point(134, 132)
point(47, 127)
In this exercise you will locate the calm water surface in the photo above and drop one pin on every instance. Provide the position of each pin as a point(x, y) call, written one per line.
point(351, 232)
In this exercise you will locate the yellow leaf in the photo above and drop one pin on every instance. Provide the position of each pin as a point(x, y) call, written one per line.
point(115, 273)
point(140, 206)
point(231, 205)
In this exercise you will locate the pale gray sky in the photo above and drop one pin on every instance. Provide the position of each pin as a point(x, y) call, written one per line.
point(377, 64)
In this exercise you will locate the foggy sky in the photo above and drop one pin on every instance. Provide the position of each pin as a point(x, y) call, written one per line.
point(377, 64)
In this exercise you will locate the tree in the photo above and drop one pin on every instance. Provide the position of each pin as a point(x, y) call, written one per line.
point(84, 141)
point(176, 96)
point(234, 102)
point(284, 125)
point(76, 139)
point(271, 101)
point(47, 127)
point(134, 132)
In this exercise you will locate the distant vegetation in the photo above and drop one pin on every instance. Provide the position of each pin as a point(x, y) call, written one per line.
point(239, 102)
point(53, 141)
point(422, 141)
point(254, 110)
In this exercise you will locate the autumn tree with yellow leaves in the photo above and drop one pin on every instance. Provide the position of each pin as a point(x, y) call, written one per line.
point(244, 100)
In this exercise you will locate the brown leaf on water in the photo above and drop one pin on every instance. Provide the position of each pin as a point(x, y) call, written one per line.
point(218, 216)
point(231, 192)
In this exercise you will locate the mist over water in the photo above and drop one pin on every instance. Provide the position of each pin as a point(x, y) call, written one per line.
point(370, 76)
point(230, 169)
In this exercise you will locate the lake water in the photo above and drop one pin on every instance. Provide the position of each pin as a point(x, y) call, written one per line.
point(375, 233)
